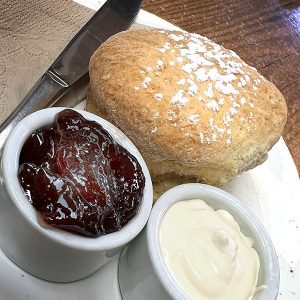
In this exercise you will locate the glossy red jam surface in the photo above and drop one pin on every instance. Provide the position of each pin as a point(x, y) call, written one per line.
point(79, 178)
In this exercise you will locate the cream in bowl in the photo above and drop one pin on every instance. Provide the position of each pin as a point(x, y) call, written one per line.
point(206, 252)
point(200, 243)
point(54, 187)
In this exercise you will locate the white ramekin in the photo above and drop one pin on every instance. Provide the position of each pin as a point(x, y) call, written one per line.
point(143, 273)
point(49, 253)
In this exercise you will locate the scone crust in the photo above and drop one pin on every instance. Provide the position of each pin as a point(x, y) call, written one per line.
point(187, 103)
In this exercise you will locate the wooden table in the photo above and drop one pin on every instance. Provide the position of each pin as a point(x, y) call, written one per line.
point(265, 33)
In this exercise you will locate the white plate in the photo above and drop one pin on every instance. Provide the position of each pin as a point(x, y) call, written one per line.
point(271, 190)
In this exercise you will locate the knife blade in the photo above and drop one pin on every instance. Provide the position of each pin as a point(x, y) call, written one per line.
point(72, 64)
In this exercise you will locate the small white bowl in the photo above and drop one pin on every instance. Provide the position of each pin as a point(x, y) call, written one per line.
point(143, 273)
point(53, 254)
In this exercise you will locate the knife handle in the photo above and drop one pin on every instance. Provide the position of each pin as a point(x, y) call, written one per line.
point(43, 94)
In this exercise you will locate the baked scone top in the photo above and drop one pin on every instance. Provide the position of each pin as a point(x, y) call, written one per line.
point(183, 98)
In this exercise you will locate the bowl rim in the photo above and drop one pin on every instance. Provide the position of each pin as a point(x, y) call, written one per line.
point(10, 166)
point(189, 191)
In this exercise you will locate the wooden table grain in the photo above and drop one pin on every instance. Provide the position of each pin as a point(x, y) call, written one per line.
point(265, 33)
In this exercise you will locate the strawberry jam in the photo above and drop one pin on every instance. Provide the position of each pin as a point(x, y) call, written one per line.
point(78, 178)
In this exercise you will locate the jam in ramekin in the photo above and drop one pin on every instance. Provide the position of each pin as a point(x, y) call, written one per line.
point(78, 178)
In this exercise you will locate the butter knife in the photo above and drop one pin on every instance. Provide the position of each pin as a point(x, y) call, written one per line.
point(72, 64)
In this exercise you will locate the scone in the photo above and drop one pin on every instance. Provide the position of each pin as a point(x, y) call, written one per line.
point(193, 108)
